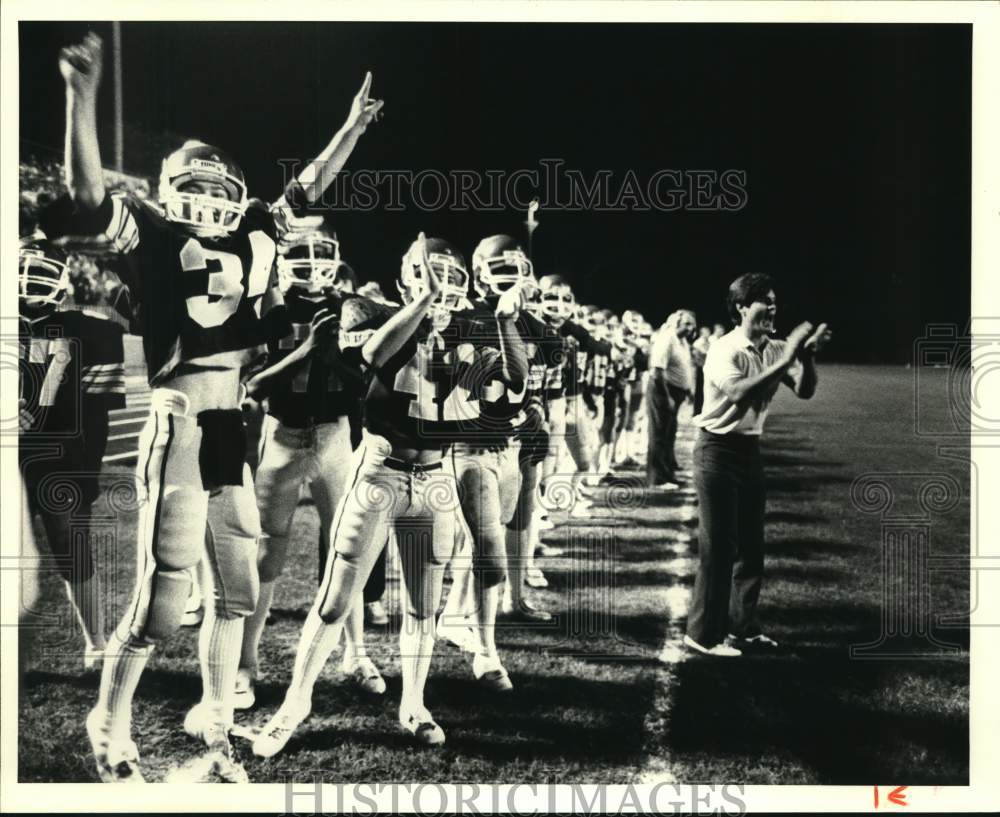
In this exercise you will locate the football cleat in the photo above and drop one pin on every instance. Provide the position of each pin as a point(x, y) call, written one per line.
point(533, 577)
point(526, 613)
point(723, 650)
point(375, 614)
point(421, 725)
point(224, 768)
point(243, 695)
point(363, 674)
point(490, 673)
point(277, 731)
point(548, 551)
point(458, 634)
point(117, 760)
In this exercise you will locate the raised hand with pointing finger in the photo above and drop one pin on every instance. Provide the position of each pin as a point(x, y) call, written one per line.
point(364, 110)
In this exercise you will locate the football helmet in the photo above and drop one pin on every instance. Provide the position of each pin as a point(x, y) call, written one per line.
point(43, 277)
point(556, 298)
point(498, 263)
point(443, 257)
point(309, 261)
point(204, 212)
point(633, 320)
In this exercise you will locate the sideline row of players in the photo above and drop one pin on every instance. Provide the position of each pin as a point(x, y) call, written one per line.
point(468, 393)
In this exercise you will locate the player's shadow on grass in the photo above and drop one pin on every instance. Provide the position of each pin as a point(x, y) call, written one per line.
point(792, 518)
point(809, 548)
point(821, 713)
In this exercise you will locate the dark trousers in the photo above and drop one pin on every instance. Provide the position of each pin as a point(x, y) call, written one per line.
point(699, 389)
point(661, 428)
point(730, 482)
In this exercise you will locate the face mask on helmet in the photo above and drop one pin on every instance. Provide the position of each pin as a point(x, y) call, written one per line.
point(449, 264)
point(308, 262)
point(43, 279)
point(498, 273)
point(203, 189)
point(558, 303)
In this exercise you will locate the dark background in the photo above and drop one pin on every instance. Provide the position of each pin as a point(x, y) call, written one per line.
point(855, 141)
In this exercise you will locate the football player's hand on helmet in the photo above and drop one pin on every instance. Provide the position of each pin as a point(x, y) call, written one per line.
point(817, 340)
point(364, 110)
point(433, 277)
point(24, 418)
point(81, 65)
point(323, 328)
point(509, 305)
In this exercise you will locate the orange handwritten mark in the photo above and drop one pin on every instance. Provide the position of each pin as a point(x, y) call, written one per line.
point(896, 796)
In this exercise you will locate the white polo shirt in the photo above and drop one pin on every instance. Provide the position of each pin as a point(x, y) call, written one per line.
point(734, 357)
point(673, 355)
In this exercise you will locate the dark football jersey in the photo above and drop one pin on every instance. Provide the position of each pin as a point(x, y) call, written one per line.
point(197, 300)
point(580, 344)
point(326, 386)
point(431, 392)
point(544, 349)
point(71, 362)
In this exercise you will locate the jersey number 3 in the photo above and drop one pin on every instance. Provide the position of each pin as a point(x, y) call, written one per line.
point(225, 279)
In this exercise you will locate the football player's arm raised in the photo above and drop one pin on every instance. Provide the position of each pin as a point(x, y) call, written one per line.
point(512, 350)
point(317, 176)
point(389, 338)
point(81, 66)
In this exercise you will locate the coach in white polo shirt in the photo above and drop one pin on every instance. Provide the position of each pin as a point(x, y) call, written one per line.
point(743, 370)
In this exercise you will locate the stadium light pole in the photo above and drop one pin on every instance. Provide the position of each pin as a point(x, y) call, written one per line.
point(116, 53)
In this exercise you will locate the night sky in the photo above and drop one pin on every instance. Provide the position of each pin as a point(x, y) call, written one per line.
point(855, 141)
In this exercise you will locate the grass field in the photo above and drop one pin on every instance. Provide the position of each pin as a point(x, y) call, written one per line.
point(592, 703)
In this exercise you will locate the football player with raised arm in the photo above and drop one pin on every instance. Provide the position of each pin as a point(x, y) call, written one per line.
point(201, 277)
point(425, 385)
point(486, 454)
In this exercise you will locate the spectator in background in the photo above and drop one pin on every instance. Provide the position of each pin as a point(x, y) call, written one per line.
point(699, 349)
point(671, 380)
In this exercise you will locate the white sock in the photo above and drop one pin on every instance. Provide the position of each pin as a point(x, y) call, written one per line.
point(354, 633)
point(86, 599)
point(317, 642)
point(253, 629)
point(516, 547)
point(416, 649)
point(219, 643)
point(124, 661)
